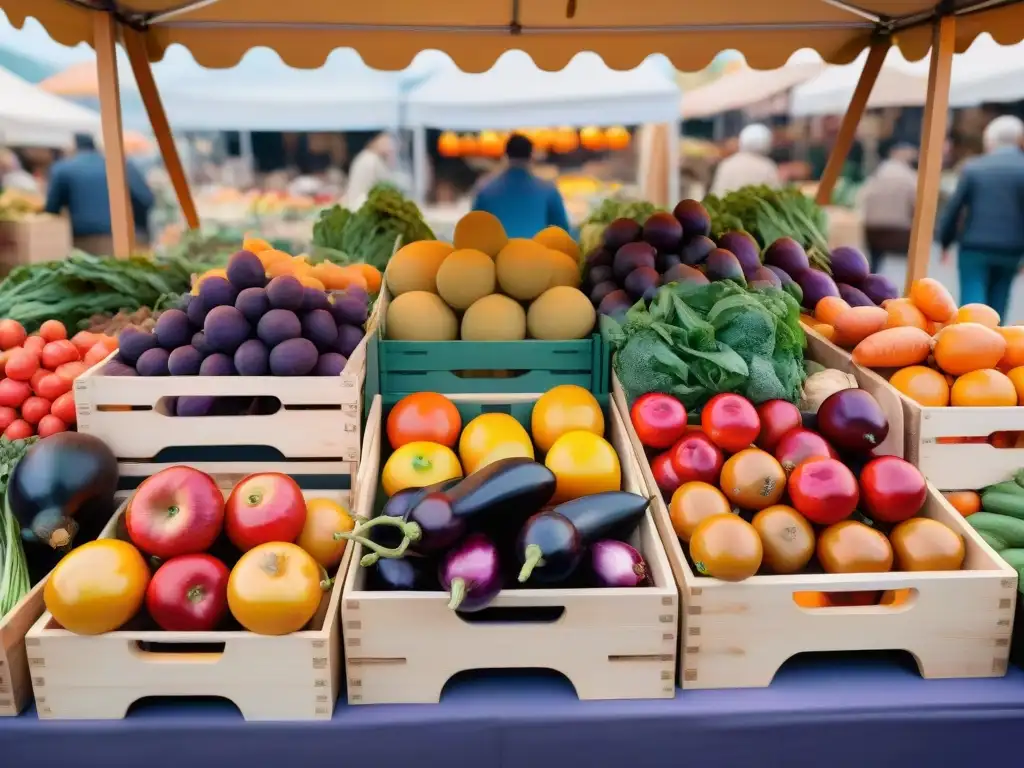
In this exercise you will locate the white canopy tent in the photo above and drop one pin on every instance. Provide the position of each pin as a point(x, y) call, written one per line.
point(745, 87)
point(987, 72)
point(33, 118)
point(515, 93)
point(900, 84)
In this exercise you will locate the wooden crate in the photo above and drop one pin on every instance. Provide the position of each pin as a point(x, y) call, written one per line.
point(738, 634)
point(15, 685)
point(34, 239)
point(402, 647)
point(291, 677)
point(315, 431)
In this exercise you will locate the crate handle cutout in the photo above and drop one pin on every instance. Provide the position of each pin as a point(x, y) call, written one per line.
point(541, 614)
point(157, 652)
point(241, 405)
point(495, 408)
point(888, 601)
point(1000, 439)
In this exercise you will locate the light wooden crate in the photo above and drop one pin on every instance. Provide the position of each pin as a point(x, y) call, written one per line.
point(289, 677)
point(316, 430)
point(738, 634)
point(402, 647)
point(15, 686)
point(949, 466)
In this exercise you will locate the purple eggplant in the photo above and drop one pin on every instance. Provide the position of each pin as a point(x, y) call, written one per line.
point(552, 543)
point(407, 574)
point(616, 564)
point(471, 573)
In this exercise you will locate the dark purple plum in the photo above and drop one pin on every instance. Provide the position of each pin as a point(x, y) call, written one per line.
point(199, 342)
point(349, 337)
point(784, 277)
point(620, 232)
point(353, 290)
point(640, 280)
point(285, 292)
point(765, 275)
point(744, 247)
point(252, 358)
point(245, 270)
point(252, 303)
point(132, 342)
point(350, 308)
point(172, 329)
point(878, 288)
point(848, 265)
point(615, 304)
point(597, 275)
point(330, 364)
point(631, 256)
point(278, 325)
point(225, 328)
point(697, 250)
point(663, 231)
point(599, 291)
point(217, 364)
point(599, 257)
point(119, 368)
point(788, 255)
point(294, 357)
point(217, 292)
point(153, 362)
point(319, 327)
point(663, 262)
point(684, 274)
point(185, 361)
point(194, 405)
point(723, 265)
point(314, 298)
point(816, 286)
point(694, 217)
point(196, 312)
point(855, 297)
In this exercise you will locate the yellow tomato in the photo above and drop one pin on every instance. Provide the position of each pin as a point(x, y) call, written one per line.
point(565, 408)
point(97, 587)
point(417, 465)
point(324, 518)
point(275, 589)
point(583, 464)
point(492, 436)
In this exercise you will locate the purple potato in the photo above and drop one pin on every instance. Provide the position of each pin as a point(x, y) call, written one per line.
point(848, 265)
point(697, 250)
point(723, 265)
point(878, 288)
point(245, 270)
point(788, 255)
point(217, 292)
point(744, 248)
point(132, 342)
point(196, 312)
point(225, 328)
point(318, 326)
point(217, 364)
point(199, 342)
point(153, 362)
point(285, 292)
point(330, 364)
point(816, 286)
point(599, 291)
point(663, 231)
point(694, 217)
point(294, 357)
point(278, 325)
point(314, 298)
point(194, 405)
point(350, 308)
point(620, 232)
point(119, 368)
point(855, 297)
point(349, 337)
point(684, 274)
point(172, 329)
point(765, 275)
point(631, 256)
point(640, 280)
point(184, 361)
point(471, 572)
point(616, 564)
point(252, 358)
point(663, 262)
point(253, 304)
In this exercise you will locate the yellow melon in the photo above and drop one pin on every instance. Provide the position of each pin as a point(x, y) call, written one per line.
point(558, 239)
point(524, 268)
point(414, 267)
point(481, 231)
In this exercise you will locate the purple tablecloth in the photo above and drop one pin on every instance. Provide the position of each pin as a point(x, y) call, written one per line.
point(823, 712)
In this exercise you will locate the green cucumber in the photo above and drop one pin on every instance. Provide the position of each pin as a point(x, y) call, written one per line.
point(993, 541)
point(1013, 557)
point(998, 503)
point(1007, 486)
point(1003, 527)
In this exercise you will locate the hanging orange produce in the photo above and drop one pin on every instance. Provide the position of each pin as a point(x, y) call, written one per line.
point(448, 145)
point(491, 144)
point(565, 140)
point(617, 137)
point(468, 145)
point(593, 139)
point(542, 139)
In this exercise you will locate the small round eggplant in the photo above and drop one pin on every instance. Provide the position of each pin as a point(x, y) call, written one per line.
point(616, 564)
point(549, 548)
point(407, 574)
point(471, 573)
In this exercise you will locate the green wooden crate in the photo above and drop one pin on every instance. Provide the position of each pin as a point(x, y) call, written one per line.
point(460, 367)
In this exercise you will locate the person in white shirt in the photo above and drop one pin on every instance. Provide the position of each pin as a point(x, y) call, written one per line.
point(749, 165)
point(888, 198)
point(374, 164)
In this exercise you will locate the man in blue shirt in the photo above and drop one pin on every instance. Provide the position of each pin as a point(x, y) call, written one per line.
point(79, 184)
point(523, 203)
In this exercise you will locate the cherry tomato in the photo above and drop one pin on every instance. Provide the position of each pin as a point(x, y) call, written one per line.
point(665, 474)
point(801, 444)
point(21, 365)
point(84, 341)
point(189, 593)
point(823, 490)
point(18, 430)
point(59, 352)
point(72, 370)
point(95, 354)
point(275, 589)
point(893, 489)
point(12, 334)
point(14, 393)
point(52, 386)
point(731, 421)
point(51, 425)
point(53, 330)
point(34, 344)
point(34, 408)
point(696, 458)
point(659, 420)
point(777, 418)
point(64, 408)
point(424, 417)
point(7, 416)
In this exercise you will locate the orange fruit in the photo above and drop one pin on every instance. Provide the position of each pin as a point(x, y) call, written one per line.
point(1016, 377)
point(964, 347)
point(1014, 354)
point(371, 275)
point(903, 312)
point(279, 268)
point(983, 388)
point(311, 282)
point(753, 479)
point(964, 502)
point(693, 502)
point(977, 313)
point(564, 408)
point(273, 256)
point(256, 245)
point(726, 547)
point(933, 299)
point(923, 385)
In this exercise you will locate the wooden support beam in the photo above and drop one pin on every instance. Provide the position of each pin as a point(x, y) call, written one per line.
point(848, 129)
point(122, 222)
point(135, 44)
point(933, 140)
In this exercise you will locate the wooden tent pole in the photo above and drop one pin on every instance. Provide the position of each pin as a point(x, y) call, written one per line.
point(848, 129)
point(135, 44)
point(122, 222)
point(933, 140)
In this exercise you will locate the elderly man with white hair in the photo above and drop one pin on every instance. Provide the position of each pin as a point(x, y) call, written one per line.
point(749, 165)
point(985, 216)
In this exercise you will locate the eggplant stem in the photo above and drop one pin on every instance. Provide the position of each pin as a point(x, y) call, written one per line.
point(534, 559)
point(458, 592)
point(411, 532)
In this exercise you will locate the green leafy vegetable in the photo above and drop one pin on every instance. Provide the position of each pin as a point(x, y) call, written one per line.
point(14, 578)
point(606, 212)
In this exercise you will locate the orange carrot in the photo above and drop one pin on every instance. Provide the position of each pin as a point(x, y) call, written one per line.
point(893, 348)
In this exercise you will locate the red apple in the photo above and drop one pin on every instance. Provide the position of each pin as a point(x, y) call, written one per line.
point(188, 594)
point(262, 508)
point(177, 511)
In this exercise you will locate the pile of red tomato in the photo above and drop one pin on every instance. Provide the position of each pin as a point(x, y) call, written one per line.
point(756, 490)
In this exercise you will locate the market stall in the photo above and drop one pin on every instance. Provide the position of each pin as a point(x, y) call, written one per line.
point(33, 118)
